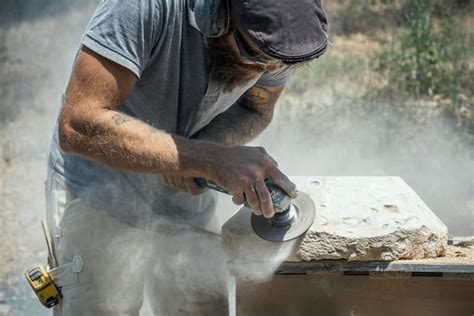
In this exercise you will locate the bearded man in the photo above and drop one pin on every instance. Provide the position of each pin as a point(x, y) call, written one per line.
point(163, 92)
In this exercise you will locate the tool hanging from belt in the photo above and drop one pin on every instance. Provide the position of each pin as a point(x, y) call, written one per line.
point(47, 283)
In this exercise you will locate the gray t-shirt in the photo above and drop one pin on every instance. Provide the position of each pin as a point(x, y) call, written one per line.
point(154, 40)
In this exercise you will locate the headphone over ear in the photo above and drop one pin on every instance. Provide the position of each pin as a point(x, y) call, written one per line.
point(210, 17)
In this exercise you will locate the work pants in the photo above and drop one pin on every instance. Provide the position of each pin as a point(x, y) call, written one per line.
point(108, 263)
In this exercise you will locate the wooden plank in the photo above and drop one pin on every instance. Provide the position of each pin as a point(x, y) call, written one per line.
point(354, 295)
point(376, 266)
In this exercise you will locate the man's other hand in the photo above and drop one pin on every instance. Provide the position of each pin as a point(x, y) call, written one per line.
point(184, 184)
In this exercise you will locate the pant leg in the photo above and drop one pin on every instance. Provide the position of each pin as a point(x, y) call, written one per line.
point(189, 274)
point(114, 255)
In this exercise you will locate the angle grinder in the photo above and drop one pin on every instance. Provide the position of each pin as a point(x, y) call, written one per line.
point(292, 218)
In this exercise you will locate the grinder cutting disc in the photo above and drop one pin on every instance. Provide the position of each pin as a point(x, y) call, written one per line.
point(289, 224)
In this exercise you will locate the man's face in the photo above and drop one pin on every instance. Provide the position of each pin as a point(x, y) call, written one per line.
point(236, 60)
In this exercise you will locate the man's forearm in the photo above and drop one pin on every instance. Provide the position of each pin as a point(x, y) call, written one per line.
point(122, 142)
point(245, 120)
point(238, 125)
point(91, 126)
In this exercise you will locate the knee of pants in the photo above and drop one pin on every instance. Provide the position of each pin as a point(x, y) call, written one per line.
point(190, 272)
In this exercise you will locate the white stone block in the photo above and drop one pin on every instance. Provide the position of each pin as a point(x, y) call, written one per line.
point(357, 218)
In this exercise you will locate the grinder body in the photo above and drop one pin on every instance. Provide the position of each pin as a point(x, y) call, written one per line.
point(292, 217)
point(280, 200)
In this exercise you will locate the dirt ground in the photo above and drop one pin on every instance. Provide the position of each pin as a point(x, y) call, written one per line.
point(22, 206)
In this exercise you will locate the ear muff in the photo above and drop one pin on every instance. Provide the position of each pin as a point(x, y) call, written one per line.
point(210, 17)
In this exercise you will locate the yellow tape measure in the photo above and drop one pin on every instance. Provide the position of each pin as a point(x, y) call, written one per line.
point(43, 286)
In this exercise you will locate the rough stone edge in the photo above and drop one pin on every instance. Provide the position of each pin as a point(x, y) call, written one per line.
point(403, 244)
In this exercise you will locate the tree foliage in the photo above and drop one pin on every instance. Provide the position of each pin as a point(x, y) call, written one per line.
point(429, 57)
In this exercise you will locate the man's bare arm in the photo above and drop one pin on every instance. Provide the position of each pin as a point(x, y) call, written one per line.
point(91, 126)
point(245, 120)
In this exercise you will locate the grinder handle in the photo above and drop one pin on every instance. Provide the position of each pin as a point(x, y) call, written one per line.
point(214, 186)
point(211, 185)
point(280, 200)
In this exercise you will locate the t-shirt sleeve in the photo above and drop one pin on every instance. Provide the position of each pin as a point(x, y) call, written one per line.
point(276, 79)
point(125, 32)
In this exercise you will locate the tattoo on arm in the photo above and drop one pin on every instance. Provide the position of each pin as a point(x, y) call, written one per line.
point(262, 97)
point(261, 100)
point(245, 120)
point(120, 119)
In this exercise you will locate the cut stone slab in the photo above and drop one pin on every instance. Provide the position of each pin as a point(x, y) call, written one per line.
point(357, 218)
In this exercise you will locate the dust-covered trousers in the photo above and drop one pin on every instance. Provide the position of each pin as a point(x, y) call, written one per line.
point(105, 264)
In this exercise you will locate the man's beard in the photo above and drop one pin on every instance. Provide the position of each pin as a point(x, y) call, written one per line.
point(227, 66)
